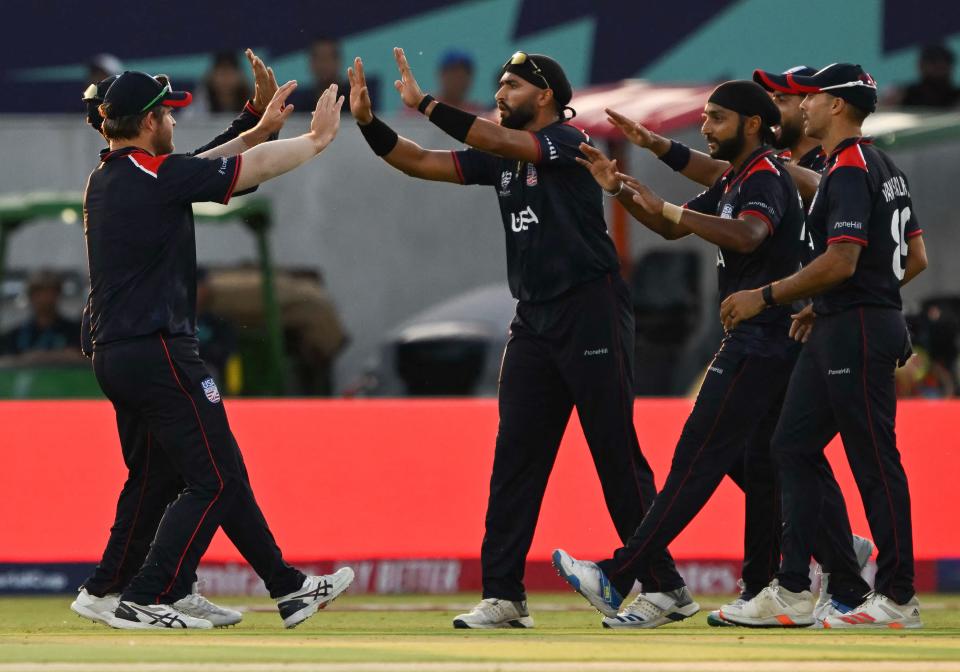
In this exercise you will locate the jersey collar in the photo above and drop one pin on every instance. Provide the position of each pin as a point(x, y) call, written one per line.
point(107, 155)
point(849, 142)
point(812, 155)
point(758, 154)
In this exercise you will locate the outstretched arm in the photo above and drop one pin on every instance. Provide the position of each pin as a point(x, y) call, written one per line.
point(404, 155)
point(265, 87)
point(468, 128)
point(605, 172)
point(271, 159)
point(699, 167)
point(828, 270)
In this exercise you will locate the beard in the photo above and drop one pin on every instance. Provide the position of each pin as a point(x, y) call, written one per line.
point(163, 143)
point(517, 118)
point(789, 135)
point(729, 149)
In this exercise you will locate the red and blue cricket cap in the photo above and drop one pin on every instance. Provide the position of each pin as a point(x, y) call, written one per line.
point(843, 80)
point(782, 82)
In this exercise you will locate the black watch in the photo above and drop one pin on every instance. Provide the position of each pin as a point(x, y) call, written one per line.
point(767, 294)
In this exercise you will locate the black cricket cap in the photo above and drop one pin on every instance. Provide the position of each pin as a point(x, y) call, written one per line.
point(747, 98)
point(782, 82)
point(843, 80)
point(136, 92)
point(544, 73)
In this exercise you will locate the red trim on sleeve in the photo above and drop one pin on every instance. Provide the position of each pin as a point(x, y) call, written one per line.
point(236, 176)
point(846, 239)
point(539, 146)
point(914, 234)
point(147, 162)
point(249, 108)
point(456, 165)
point(759, 215)
point(851, 156)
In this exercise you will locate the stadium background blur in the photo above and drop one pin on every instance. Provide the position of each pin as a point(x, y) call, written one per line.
point(391, 287)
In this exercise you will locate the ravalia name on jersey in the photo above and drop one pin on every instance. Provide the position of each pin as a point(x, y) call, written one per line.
point(895, 186)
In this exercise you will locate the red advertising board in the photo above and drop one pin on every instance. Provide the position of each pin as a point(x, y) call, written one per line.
point(403, 479)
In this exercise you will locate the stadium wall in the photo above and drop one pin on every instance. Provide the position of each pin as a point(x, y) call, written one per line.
point(398, 488)
point(413, 243)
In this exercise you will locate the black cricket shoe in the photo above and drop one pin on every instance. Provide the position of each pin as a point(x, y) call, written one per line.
point(130, 616)
point(315, 594)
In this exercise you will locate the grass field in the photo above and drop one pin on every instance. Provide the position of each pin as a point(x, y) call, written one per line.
point(414, 633)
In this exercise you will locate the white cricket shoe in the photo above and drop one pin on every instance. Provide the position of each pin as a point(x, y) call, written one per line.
point(494, 613)
point(315, 594)
point(198, 606)
point(651, 610)
point(863, 548)
point(878, 611)
point(96, 609)
point(589, 580)
point(714, 619)
point(773, 607)
point(131, 616)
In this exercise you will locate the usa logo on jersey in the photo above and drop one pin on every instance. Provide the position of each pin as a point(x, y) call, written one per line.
point(210, 389)
point(531, 175)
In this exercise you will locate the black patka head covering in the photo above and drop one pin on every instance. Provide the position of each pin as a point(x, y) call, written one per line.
point(747, 98)
point(544, 73)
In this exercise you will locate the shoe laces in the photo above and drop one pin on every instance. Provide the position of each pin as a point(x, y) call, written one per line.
point(200, 603)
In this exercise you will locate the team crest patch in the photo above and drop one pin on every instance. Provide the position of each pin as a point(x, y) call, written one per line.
point(505, 178)
point(727, 212)
point(531, 175)
point(210, 389)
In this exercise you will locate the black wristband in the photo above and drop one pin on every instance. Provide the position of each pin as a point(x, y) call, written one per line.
point(767, 294)
point(454, 122)
point(677, 157)
point(422, 107)
point(381, 138)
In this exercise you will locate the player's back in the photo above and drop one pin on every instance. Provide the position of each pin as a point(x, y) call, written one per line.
point(864, 199)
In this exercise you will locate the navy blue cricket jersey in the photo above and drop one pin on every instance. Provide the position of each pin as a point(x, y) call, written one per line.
point(552, 211)
point(863, 198)
point(141, 248)
point(764, 189)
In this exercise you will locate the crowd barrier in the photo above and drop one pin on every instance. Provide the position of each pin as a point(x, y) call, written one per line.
point(399, 488)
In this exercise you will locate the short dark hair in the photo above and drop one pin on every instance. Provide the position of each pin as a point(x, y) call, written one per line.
point(124, 128)
point(857, 114)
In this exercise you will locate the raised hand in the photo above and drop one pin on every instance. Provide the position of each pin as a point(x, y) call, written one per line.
point(644, 196)
point(636, 133)
point(276, 112)
point(407, 86)
point(326, 118)
point(360, 106)
point(603, 169)
point(264, 82)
